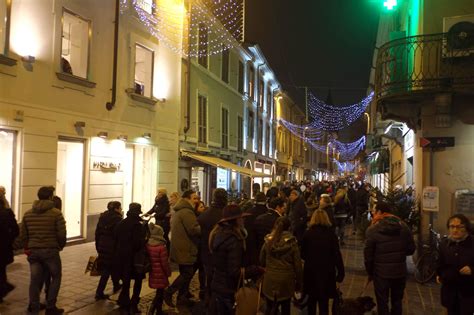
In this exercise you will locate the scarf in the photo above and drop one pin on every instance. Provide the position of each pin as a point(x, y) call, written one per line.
point(379, 217)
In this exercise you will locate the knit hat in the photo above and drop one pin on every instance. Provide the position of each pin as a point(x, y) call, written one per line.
point(260, 198)
point(156, 234)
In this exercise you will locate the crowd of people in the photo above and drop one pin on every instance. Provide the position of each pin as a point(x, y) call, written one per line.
point(288, 238)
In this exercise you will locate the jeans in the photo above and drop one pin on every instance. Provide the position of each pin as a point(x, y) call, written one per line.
point(181, 283)
point(272, 307)
point(323, 305)
point(104, 277)
point(44, 260)
point(385, 288)
point(224, 304)
point(340, 226)
point(124, 297)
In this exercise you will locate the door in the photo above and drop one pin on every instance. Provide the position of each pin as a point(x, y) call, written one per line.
point(7, 161)
point(70, 183)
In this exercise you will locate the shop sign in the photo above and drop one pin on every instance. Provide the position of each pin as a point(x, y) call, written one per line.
point(222, 178)
point(431, 198)
point(106, 166)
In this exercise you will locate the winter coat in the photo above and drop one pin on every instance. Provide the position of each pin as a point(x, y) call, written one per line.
point(264, 225)
point(298, 216)
point(341, 206)
point(252, 240)
point(362, 199)
point(227, 258)
point(161, 209)
point(105, 238)
point(129, 240)
point(185, 231)
point(387, 244)
point(323, 264)
point(8, 232)
point(207, 220)
point(43, 226)
point(160, 267)
point(283, 268)
point(457, 288)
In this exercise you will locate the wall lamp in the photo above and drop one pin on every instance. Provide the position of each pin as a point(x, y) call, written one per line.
point(28, 59)
point(146, 135)
point(123, 137)
point(80, 124)
point(103, 134)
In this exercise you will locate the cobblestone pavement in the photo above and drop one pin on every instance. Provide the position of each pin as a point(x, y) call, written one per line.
point(77, 290)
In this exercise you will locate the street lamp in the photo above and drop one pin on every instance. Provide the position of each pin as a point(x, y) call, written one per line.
point(368, 122)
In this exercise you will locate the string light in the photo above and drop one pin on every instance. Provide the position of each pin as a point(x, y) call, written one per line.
point(344, 166)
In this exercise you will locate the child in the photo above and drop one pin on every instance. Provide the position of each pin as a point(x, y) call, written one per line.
point(160, 268)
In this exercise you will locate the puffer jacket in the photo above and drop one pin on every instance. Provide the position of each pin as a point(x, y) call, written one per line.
point(160, 268)
point(43, 226)
point(185, 231)
point(105, 238)
point(283, 268)
point(387, 244)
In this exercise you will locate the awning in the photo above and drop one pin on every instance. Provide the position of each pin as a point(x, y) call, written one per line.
point(214, 161)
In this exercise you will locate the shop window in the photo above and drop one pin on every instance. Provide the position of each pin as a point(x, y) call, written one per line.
point(251, 124)
point(225, 65)
point(203, 45)
point(202, 119)
point(251, 83)
point(260, 94)
point(75, 45)
point(241, 77)
point(145, 5)
point(225, 128)
point(7, 160)
point(144, 60)
point(240, 134)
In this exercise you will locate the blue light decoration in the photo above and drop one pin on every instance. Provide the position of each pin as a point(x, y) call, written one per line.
point(303, 131)
point(344, 166)
point(346, 151)
point(333, 118)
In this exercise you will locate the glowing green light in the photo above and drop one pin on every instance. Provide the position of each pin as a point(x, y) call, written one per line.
point(390, 4)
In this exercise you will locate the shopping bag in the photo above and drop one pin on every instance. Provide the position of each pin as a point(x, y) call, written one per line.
point(247, 297)
point(91, 266)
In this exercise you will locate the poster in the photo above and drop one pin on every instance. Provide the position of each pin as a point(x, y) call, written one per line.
point(431, 198)
point(222, 178)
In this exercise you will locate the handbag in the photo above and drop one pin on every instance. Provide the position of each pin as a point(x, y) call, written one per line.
point(247, 297)
point(91, 267)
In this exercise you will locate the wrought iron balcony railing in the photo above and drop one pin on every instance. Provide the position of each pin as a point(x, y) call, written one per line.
point(425, 62)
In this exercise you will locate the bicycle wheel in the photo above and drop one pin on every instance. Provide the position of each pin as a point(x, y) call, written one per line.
point(425, 267)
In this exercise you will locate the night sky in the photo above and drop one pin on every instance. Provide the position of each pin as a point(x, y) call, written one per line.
point(321, 44)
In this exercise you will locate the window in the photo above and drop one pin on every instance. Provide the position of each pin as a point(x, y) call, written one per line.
point(260, 93)
point(241, 77)
point(143, 71)
point(267, 141)
point(251, 83)
point(202, 119)
point(251, 125)
point(5, 9)
point(225, 128)
point(225, 66)
point(203, 45)
point(75, 45)
point(145, 5)
point(260, 135)
point(268, 107)
point(240, 134)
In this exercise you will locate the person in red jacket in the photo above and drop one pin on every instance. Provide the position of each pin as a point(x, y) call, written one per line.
point(160, 268)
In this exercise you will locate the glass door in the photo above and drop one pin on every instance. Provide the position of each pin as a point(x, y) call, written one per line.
point(7, 161)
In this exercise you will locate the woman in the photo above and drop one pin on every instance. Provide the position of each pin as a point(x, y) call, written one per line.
point(227, 247)
point(200, 208)
point(325, 203)
point(323, 263)
point(161, 209)
point(280, 256)
point(456, 267)
point(8, 232)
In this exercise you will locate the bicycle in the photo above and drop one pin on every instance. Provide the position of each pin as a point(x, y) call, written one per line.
point(425, 265)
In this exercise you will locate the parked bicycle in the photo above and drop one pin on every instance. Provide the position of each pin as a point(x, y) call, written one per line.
point(425, 265)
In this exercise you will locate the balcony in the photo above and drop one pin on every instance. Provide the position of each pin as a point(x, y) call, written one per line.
point(414, 66)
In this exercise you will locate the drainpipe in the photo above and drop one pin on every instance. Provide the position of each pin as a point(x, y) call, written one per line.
point(110, 105)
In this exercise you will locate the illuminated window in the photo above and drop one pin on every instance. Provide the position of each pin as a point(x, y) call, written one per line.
point(145, 5)
point(202, 119)
point(225, 128)
point(203, 45)
point(251, 83)
point(143, 71)
point(260, 93)
point(75, 45)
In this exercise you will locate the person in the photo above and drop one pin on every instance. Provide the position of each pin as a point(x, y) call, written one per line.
point(325, 204)
point(227, 247)
point(297, 214)
point(8, 232)
point(160, 268)
point(455, 269)
point(341, 212)
point(105, 246)
point(43, 234)
point(185, 231)
point(280, 256)
point(388, 242)
point(264, 222)
point(199, 208)
point(161, 209)
point(207, 220)
point(253, 250)
point(3, 197)
point(129, 241)
point(321, 275)
point(362, 204)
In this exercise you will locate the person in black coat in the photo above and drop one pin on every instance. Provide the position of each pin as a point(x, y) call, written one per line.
point(297, 214)
point(253, 250)
point(456, 267)
point(264, 222)
point(105, 246)
point(129, 241)
point(8, 232)
point(161, 210)
point(323, 265)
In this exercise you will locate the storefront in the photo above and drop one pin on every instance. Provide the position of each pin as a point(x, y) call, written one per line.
point(8, 176)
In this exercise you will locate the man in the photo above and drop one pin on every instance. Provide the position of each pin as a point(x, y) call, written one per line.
point(185, 231)
point(362, 204)
point(253, 251)
point(388, 242)
point(297, 214)
point(264, 222)
point(105, 246)
point(43, 233)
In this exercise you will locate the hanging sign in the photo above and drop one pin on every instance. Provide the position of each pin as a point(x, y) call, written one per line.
point(431, 198)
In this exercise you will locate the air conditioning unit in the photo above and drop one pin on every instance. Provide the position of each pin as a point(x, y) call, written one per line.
point(460, 36)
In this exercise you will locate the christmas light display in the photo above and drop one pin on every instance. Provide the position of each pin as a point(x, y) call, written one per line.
point(344, 166)
point(304, 132)
point(332, 118)
point(205, 27)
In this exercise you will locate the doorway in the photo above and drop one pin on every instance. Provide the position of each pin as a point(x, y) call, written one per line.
point(70, 183)
point(7, 160)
